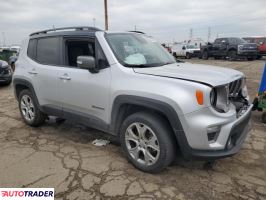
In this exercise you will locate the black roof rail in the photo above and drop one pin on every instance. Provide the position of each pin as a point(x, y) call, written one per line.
point(75, 28)
point(137, 32)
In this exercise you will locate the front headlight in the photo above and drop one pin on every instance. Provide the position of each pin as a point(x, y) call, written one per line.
point(240, 47)
point(219, 99)
point(244, 90)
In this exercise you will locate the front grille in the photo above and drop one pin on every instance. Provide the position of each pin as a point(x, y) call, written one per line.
point(4, 71)
point(235, 87)
point(250, 47)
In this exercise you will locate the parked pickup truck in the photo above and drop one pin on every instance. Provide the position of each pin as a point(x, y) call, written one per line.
point(261, 42)
point(185, 50)
point(231, 48)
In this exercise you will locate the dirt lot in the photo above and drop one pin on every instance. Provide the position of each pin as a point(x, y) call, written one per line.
point(62, 156)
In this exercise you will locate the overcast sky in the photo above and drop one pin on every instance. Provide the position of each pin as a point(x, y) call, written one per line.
point(166, 20)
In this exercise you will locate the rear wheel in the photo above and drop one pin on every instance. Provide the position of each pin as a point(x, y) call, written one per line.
point(205, 55)
point(252, 58)
point(174, 54)
point(188, 56)
point(29, 109)
point(232, 55)
point(147, 141)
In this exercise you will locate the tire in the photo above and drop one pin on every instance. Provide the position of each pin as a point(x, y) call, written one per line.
point(6, 83)
point(263, 117)
point(174, 54)
point(205, 55)
point(188, 56)
point(157, 129)
point(259, 57)
point(29, 109)
point(232, 55)
point(251, 59)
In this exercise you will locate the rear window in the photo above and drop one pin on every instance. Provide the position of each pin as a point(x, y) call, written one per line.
point(32, 49)
point(48, 51)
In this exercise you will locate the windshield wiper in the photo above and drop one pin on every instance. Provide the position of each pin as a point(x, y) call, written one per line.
point(140, 65)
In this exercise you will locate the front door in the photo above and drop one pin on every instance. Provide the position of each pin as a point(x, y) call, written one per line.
point(84, 94)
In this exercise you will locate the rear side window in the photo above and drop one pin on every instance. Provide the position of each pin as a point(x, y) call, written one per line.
point(32, 49)
point(218, 41)
point(48, 51)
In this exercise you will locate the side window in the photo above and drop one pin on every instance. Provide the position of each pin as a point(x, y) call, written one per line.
point(218, 41)
point(31, 52)
point(75, 48)
point(48, 51)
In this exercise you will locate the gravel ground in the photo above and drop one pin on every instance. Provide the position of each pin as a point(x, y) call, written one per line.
point(62, 156)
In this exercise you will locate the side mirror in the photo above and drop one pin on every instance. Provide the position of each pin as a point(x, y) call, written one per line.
point(183, 48)
point(86, 62)
point(224, 42)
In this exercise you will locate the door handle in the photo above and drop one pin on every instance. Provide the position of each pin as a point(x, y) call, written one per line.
point(65, 77)
point(33, 72)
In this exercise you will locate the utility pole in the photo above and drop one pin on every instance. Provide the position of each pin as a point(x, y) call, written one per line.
point(4, 39)
point(106, 15)
point(135, 27)
point(209, 33)
point(191, 34)
point(94, 22)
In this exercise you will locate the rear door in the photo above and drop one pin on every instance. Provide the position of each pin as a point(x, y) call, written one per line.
point(43, 64)
point(84, 93)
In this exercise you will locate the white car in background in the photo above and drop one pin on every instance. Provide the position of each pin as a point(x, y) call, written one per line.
point(185, 50)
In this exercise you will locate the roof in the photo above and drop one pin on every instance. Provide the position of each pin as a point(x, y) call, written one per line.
point(66, 31)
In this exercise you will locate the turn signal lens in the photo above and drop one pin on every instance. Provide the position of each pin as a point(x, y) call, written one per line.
point(199, 96)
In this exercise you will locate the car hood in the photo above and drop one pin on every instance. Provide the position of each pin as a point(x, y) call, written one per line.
point(3, 64)
point(206, 74)
point(197, 49)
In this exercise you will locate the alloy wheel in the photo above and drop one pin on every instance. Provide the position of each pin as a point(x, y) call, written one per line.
point(142, 144)
point(27, 108)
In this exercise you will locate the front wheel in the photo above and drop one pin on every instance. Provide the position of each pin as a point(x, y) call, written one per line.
point(147, 141)
point(232, 55)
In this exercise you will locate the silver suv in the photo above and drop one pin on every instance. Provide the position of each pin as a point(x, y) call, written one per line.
point(127, 85)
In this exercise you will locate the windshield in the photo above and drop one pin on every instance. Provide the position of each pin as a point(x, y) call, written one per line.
point(238, 41)
point(191, 47)
point(138, 50)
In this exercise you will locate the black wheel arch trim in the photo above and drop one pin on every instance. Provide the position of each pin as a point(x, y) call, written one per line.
point(232, 49)
point(28, 84)
point(156, 105)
